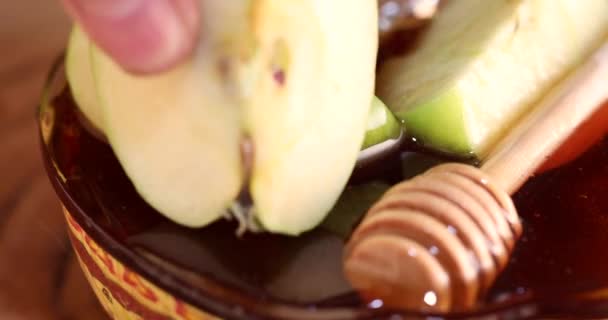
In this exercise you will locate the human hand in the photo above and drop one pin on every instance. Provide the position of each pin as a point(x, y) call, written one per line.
point(143, 36)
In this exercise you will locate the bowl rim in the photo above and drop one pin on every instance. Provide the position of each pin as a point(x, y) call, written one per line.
point(230, 303)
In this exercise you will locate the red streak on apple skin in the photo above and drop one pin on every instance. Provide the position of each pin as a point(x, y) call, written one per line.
point(587, 135)
point(279, 77)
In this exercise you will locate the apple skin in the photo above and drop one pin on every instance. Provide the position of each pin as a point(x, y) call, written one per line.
point(381, 125)
point(587, 135)
point(79, 73)
point(439, 123)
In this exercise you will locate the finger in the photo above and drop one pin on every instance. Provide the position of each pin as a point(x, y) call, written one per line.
point(143, 36)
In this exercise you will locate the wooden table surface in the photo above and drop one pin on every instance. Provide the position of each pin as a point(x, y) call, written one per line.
point(39, 276)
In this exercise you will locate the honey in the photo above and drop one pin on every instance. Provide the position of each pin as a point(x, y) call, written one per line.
point(560, 256)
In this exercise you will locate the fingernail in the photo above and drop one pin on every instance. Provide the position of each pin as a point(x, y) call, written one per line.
point(143, 36)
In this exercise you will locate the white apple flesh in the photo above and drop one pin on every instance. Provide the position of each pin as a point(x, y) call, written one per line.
point(294, 77)
point(308, 131)
point(177, 134)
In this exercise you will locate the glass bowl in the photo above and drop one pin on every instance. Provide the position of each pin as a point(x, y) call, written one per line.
point(141, 266)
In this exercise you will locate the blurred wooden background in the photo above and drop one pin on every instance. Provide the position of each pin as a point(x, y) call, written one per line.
point(39, 276)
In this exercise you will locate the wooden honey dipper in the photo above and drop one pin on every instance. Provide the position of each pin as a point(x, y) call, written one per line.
point(438, 241)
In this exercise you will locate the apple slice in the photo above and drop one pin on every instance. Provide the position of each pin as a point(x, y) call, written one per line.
point(80, 78)
point(354, 202)
point(586, 136)
point(177, 134)
point(483, 64)
point(296, 78)
point(383, 139)
point(308, 124)
point(381, 125)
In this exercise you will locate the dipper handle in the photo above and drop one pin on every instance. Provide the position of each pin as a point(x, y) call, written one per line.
point(576, 99)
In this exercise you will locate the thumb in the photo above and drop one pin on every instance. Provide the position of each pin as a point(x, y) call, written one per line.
point(143, 36)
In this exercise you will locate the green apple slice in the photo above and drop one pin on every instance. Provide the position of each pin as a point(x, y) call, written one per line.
point(177, 134)
point(381, 125)
point(483, 64)
point(353, 204)
point(308, 129)
point(384, 135)
point(80, 78)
